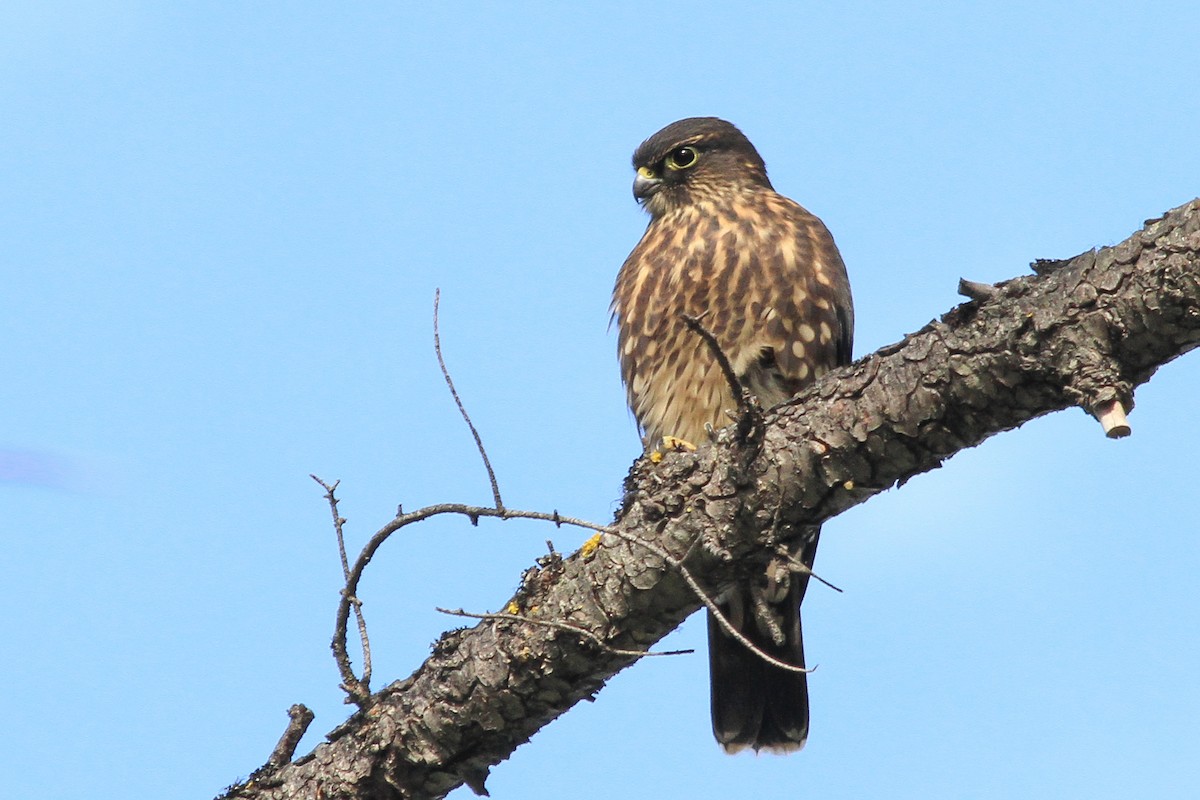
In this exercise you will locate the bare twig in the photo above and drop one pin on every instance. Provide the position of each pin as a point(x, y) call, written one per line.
point(300, 718)
point(361, 685)
point(564, 626)
point(710, 339)
point(749, 412)
point(437, 348)
point(796, 565)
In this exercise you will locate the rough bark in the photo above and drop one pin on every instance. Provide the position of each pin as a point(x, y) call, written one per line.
point(1083, 332)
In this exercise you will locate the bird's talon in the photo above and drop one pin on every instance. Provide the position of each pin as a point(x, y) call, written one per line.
point(672, 443)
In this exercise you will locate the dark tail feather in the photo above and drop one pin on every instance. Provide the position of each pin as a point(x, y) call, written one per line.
point(755, 704)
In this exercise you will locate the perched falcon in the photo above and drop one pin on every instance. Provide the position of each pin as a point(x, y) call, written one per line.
point(766, 278)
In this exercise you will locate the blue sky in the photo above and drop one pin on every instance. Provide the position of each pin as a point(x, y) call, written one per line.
point(222, 231)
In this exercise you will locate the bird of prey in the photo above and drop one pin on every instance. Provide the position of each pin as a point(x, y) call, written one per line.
point(766, 279)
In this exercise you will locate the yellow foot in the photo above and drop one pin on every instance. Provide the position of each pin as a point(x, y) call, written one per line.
point(671, 444)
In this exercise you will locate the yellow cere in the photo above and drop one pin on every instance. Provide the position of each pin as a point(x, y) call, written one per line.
point(646, 172)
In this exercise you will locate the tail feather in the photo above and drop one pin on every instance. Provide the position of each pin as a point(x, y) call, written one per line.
point(756, 704)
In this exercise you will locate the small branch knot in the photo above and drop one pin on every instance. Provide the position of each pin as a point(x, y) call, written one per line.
point(300, 717)
point(980, 292)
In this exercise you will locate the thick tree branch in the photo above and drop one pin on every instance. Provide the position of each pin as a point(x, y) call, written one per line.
point(1084, 332)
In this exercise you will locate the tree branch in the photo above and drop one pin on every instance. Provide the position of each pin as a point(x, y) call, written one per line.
point(1083, 332)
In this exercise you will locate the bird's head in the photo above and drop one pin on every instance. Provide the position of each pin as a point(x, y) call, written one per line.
point(694, 159)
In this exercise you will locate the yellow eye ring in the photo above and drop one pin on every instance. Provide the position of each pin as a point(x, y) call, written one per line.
point(682, 158)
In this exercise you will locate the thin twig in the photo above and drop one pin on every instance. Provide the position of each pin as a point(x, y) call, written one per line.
point(363, 684)
point(749, 412)
point(696, 327)
point(564, 626)
point(796, 565)
point(437, 348)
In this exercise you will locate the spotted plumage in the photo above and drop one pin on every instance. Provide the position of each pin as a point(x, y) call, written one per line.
point(765, 277)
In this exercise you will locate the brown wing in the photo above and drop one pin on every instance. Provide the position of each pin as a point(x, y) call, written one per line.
point(806, 320)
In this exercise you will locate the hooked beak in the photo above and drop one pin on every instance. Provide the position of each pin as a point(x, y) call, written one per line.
point(645, 184)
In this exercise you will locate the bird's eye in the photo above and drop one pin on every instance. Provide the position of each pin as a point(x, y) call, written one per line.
point(682, 158)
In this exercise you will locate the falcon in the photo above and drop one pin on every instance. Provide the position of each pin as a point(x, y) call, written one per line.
point(764, 276)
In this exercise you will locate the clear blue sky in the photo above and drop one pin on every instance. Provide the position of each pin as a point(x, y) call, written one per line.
point(222, 229)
